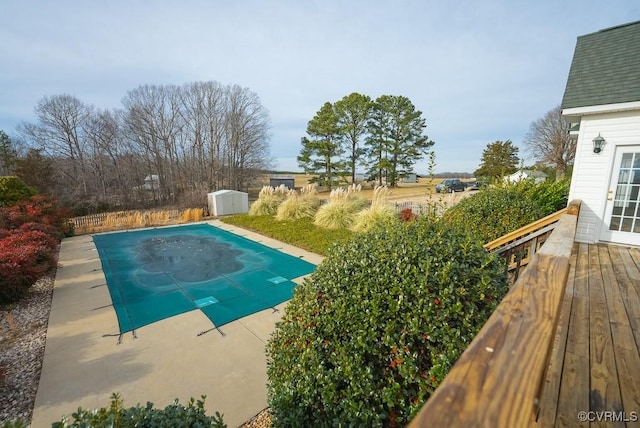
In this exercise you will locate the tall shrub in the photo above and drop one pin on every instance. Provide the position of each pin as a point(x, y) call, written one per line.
point(549, 195)
point(369, 335)
point(494, 212)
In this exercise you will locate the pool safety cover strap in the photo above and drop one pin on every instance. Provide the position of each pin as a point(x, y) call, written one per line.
point(153, 274)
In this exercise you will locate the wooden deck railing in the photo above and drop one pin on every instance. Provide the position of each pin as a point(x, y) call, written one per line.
point(520, 245)
point(498, 379)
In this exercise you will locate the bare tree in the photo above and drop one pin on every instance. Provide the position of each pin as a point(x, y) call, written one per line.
point(59, 134)
point(110, 162)
point(153, 120)
point(247, 139)
point(204, 115)
point(548, 142)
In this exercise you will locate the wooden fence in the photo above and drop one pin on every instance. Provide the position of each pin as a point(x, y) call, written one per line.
point(418, 208)
point(133, 219)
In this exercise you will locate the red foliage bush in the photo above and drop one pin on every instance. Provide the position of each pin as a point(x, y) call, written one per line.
point(407, 215)
point(29, 236)
point(24, 258)
point(48, 229)
point(37, 209)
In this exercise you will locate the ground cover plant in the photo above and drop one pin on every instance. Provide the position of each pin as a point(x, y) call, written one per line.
point(371, 333)
point(299, 232)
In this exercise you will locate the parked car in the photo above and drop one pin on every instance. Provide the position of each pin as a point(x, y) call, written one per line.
point(475, 185)
point(450, 185)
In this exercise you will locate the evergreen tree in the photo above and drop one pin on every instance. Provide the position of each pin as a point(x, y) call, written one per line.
point(353, 112)
point(8, 154)
point(499, 158)
point(396, 140)
point(322, 152)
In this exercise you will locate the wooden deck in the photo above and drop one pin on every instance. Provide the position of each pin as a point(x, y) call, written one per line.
point(595, 361)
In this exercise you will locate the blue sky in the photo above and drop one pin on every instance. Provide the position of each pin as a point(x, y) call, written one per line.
point(479, 71)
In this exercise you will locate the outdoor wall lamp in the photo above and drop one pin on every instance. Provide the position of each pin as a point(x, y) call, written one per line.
point(598, 144)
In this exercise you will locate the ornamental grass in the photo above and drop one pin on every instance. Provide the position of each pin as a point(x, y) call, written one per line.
point(269, 199)
point(341, 209)
point(379, 211)
point(299, 205)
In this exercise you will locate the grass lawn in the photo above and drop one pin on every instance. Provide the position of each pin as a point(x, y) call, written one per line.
point(302, 233)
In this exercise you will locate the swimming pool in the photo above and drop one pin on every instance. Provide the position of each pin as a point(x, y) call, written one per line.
point(153, 274)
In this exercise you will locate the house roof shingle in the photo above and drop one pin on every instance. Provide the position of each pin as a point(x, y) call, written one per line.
point(605, 68)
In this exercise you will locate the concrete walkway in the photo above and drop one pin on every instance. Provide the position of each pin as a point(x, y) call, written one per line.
point(83, 363)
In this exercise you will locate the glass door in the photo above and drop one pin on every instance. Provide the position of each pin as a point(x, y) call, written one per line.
point(622, 214)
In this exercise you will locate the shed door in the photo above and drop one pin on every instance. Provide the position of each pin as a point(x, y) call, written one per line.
point(622, 213)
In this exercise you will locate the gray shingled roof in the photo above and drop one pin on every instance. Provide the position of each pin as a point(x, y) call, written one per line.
point(605, 68)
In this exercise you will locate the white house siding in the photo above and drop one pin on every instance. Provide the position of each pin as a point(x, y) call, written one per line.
point(592, 172)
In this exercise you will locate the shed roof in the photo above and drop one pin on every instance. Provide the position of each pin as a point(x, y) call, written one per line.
point(226, 192)
point(605, 68)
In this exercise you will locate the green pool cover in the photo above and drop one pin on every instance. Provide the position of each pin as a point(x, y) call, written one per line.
point(154, 274)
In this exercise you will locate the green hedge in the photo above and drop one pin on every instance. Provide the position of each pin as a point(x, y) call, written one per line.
point(494, 212)
point(498, 210)
point(549, 195)
point(369, 335)
point(174, 415)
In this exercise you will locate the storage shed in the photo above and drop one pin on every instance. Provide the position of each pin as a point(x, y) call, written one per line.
point(410, 178)
point(225, 202)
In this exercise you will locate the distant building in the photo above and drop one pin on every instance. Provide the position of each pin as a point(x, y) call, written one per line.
point(288, 180)
point(152, 182)
point(409, 178)
point(526, 174)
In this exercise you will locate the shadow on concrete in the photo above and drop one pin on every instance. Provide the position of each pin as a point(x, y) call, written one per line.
point(80, 365)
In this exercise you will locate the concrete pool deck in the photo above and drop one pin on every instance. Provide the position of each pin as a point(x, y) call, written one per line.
point(84, 364)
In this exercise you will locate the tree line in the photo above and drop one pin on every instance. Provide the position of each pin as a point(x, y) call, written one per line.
point(167, 144)
point(385, 136)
